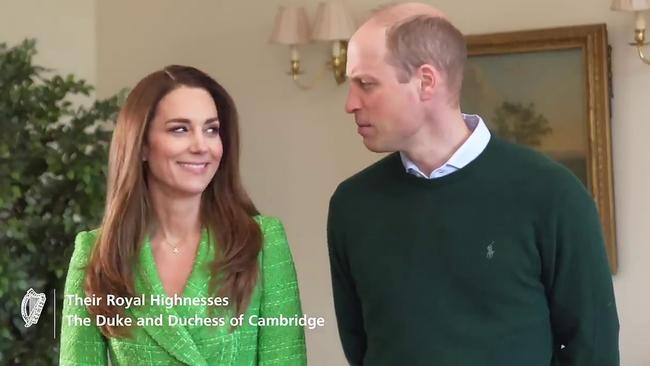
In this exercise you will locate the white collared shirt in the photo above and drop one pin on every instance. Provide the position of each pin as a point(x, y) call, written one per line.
point(468, 151)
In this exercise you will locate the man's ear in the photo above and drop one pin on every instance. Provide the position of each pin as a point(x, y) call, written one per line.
point(429, 80)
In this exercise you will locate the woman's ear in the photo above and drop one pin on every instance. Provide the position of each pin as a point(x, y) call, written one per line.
point(145, 152)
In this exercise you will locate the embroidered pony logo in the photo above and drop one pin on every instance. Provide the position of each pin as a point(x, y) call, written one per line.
point(490, 251)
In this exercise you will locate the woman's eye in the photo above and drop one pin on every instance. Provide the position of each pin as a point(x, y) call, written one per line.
point(178, 129)
point(214, 130)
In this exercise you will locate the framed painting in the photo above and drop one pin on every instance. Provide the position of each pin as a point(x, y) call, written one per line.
point(549, 89)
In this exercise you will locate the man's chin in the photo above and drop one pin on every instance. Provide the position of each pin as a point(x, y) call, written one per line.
point(375, 147)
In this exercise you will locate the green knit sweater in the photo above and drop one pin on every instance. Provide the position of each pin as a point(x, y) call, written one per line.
point(500, 263)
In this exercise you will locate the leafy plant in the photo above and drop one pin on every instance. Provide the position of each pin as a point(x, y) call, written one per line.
point(53, 154)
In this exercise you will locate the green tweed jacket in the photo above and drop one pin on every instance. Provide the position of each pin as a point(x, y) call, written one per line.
point(191, 344)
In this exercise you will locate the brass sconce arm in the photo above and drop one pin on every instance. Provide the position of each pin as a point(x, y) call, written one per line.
point(339, 62)
point(332, 24)
point(639, 43)
point(638, 7)
point(336, 65)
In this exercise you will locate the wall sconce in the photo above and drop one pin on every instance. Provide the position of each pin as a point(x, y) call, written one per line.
point(636, 6)
point(332, 23)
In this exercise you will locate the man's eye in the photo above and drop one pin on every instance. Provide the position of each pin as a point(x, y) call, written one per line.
point(365, 84)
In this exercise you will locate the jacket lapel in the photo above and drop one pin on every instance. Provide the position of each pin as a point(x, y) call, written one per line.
point(175, 340)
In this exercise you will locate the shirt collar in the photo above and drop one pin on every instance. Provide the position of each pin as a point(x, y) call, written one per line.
point(465, 154)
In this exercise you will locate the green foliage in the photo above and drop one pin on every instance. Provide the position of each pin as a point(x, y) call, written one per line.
point(53, 155)
point(521, 124)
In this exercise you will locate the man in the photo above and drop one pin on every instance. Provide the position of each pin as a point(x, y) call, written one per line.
point(458, 248)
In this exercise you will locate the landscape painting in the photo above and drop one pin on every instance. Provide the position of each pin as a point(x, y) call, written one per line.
point(536, 99)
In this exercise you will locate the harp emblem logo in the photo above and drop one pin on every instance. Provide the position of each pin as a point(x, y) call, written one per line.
point(32, 306)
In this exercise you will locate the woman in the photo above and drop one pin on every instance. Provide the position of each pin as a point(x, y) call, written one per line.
point(178, 224)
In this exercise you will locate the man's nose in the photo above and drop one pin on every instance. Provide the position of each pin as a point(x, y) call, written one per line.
point(352, 102)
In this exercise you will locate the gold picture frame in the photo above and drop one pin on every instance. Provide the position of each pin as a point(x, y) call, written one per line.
point(565, 69)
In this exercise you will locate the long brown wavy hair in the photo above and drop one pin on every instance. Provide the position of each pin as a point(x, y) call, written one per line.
point(226, 209)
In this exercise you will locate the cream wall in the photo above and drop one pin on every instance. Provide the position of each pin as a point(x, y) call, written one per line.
point(298, 145)
point(64, 29)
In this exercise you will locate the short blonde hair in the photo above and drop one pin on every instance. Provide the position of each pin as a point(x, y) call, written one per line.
point(426, 39)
